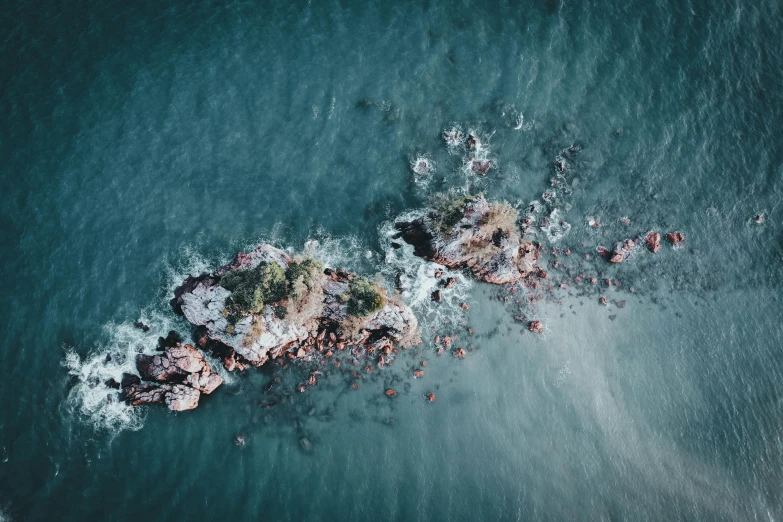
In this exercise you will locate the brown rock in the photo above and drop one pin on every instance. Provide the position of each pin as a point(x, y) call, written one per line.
point(391, 392)
point(618, 255)
point(536, 327)
point(653, 241)
point(675, 237)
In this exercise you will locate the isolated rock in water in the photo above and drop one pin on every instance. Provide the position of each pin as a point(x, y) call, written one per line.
point(653, 241)
point(469, 232)
point(176, 378)
point(536, 327)
point(267, 302)
point(675, 237)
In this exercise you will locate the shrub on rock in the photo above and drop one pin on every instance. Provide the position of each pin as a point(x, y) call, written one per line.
point(364, 297)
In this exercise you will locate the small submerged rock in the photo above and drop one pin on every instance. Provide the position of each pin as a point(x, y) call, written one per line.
point(536, 327)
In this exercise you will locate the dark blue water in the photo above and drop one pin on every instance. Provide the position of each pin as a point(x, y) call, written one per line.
point(145, 141)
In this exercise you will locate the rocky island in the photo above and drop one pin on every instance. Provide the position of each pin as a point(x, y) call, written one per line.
point(264, 305)
point(465, 231)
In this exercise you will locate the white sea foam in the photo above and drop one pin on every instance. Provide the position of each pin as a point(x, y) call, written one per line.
point(417, 279)
point(555, 228)
point(423, 169)
point(90, 396)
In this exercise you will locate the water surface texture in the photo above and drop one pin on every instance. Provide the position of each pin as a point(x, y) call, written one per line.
point(143, 141)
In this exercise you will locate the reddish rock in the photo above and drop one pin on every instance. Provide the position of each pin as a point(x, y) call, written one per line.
point(536, 327)
point(602, 300)
point(430, 397)
point(424, 363)
point(418, 373)
point(675, 237)
point(460, 353)
point(464, 306)
point(618, 255)
point(391, 392)
point(653, 241)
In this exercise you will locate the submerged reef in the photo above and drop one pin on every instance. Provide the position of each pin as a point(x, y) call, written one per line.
point(264, 305)
point(464, 231)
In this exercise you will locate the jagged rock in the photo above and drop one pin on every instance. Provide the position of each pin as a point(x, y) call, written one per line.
point(177, 397)
point(141, 326)
point(619, 253)
point(182, 364)
point(653, 241)
point(437, 296)
point(176, 378)
point(172, 339)
point(128, 379)
point(536, 327)
point(495, 254)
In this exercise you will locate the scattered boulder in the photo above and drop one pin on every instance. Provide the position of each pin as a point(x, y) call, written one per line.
point(141, 326)
point(675, 237)
point(619, 253)
point(176, 378)
point(653, 241)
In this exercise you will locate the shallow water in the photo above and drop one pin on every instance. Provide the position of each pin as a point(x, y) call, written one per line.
point(142, 143)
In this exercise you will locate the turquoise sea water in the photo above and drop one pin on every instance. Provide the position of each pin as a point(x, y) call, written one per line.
point(145, 141)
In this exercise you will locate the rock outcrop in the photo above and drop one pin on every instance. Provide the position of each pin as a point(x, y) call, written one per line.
point(470, 232)
point(295, 307)
point(176, 378)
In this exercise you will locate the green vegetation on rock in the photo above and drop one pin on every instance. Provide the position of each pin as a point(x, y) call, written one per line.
point(364, 297)
point(447, 210)
point(281, 311)
point(302, 275)
point(251, 289)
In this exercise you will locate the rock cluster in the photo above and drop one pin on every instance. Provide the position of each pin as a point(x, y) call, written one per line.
point(176, 378)
point(265, 334)
point(479, 235)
